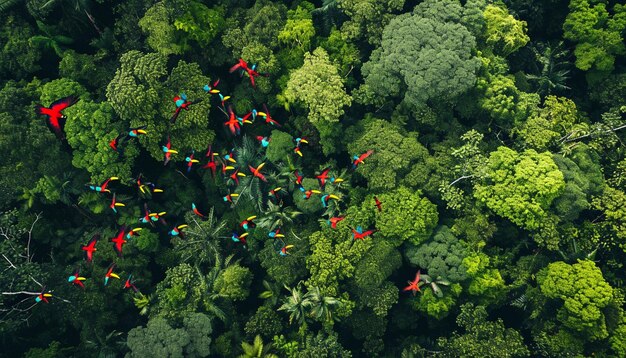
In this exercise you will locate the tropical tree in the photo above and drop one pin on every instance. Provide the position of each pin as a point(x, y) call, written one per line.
point(257, 349)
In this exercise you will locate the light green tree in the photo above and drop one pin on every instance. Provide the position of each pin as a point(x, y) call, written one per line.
point(504, 33)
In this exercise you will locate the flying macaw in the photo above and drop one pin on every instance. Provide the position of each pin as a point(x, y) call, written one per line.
point(223, 99)
point(147, 186)
point(378, 204)
point(129, 284)
point(181, 103)
point(235, 176)
point(190, 161)
point(167, 150)
point(233, 122)
point(257, 171)
point(43, 296)
point(119, 241)
point(211, 163)
point(154, 217)
point(275, 234)
point(125, 136)
point(230, 156)
point(115, 204)
point(253, 113)
point(283, 250)
point(243, 67)
point(212, 88)
point(334, 221)
point(327, 197)
point(102, 187)
point(135, 132)
point(268, 118)
point(358, 234)
point(248, 223)
point(76, 278)
point(321, 178)
point(132, 233)
point(229, 197)
point(413, 285)
point(360, 159)
point(90, 247)
point(298, 177)
point(265, 141)
point(239, 238)
point(226, 168)
point(110, 274)
point(309, 192)
point(54, 118)
point(299, 142)
point(178, 230)
point(274, 194)
point(116, 141)
point(196, 211)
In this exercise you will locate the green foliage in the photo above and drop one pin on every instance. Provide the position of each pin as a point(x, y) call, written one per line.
point(612, 203)
point(437, 307)
point(584, 293)
point(200, 24)
point(412, 218)
point(318, 87)
point(482, 338)
point(503, 32)
point(18, 56)
point(442, 257)
point(504, 102)
point(257, 349)
point(367, 18)
point(422, 58)
point(234, 283)
point(395, 153)
point(598, 33)
point(158, 24)
point(520, 186)
point(298, 31)
point(265, 322)
point(377, 265)
point(280, 147)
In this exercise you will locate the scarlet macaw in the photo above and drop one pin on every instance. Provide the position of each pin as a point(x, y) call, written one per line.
point(235, 176)
point(110, 274)
point(212, 88)
point(167, 150)
point(298, 177)
point(274, 194)
point(54, 118)
point(190, 161)
point(115, 204)
point(268, 118)
point(253, 113)
point(243, 67)
point(239, 238)
point(43, 296)
point(413, 285)
point(265, 141)
point(222, 100)
point(257, 171)
point(76, 278)
point(233, 122)
point(309, 192)
point(327, 197)
point(360, 159)
point(358, 234)
point(102, 187)
point(321, 178)
point(129, 134)
point(181, 103)
point(143, 187)
point(248, 223)
point(129, 284)
point(378, 204)
point(334, 220)
point(118, 241)
point(177, 230)
point(211, 163)
point(196, 211)
point(90, 247)
point(229, 197)
point(299, 142)
point(283, 250)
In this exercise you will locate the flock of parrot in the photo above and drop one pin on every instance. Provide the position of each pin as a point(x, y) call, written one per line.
point(55, 120)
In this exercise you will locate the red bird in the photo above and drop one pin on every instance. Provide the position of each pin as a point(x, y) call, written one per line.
point(211, 163)
point(54, 118)
point(129, 284)
point(110, 274)
point(360, 159)
point(268, 117)
point(233, 122)
point(115, 204)
point(90, 247)
point(378, 204)
point(76, 278)
point(257, 171)
point(243, 66)
point(413, 285)
point(358, 234)
point(298, 177)
point(235, 176)
point(181, 103)
point(335, 220)
point(167, 150)
point(322, 178)
point(119, 241)
point(196, 211)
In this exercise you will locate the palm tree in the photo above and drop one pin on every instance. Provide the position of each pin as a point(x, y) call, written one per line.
point(321, 306)
point(50, 40)
point(434, 284)
point(271, 293)
point(296, 305)
point(257, 349)
point(202, 239)
point(552, 68)
point(277, 216)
